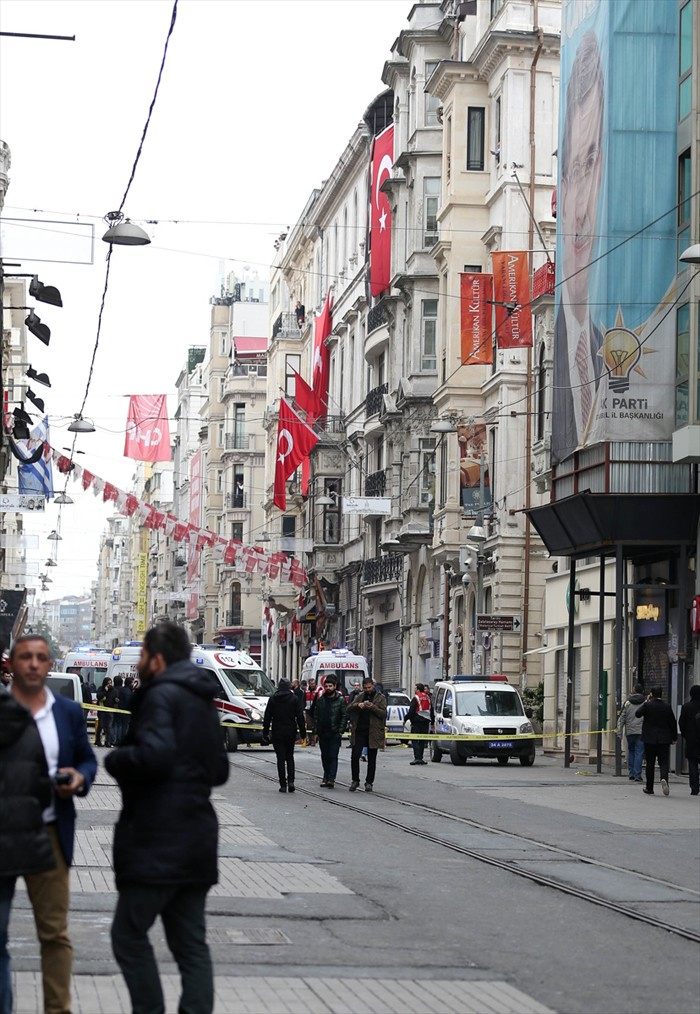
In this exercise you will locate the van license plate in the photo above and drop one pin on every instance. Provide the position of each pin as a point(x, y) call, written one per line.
point(502, 744)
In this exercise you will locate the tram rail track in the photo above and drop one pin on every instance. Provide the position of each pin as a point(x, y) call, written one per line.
point(493, 861)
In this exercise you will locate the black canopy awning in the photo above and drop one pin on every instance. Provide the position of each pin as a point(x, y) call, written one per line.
point(644, 524)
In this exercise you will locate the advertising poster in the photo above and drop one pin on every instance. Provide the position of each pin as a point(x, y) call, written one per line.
point(614, 350)
point(474, 479)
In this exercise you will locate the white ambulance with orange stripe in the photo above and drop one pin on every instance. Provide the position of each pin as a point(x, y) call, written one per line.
point(244, 690)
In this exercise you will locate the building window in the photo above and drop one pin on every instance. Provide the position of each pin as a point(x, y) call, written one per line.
point(432, 102)
point(684, 192)
point(291, 363)
point(428, 337)
point(237, 531)
point(497, 130)
point(476, 116)
point(238, 489)
point(220, 431)
point(685, 60)
point(223, 347)
point(219, 481)
point(427, 471)
point(239, 440)
point(222, 388)
point(236, 615)
point(431, 203)
point(682, 363)
point(331, 515)
point(540, 401)
point(289, 530)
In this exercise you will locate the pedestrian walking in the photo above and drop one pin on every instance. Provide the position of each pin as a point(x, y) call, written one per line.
point(115, 700)
point(367, 715)
point(25, 791)
point(659, 731)
point(689, 724)
point(631, 727)
point(166, 837)
point(103, 731)
point(72, 767)
point(284, 714)
point(420, 715)
point(330, 718)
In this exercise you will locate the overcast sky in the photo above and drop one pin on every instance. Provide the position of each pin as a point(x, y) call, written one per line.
point(258, 100)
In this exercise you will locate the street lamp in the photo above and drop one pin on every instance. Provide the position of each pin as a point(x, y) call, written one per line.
point(63, 498)
point(122, 232)
point(476, 537)
point(81, 425)
point(691, 255)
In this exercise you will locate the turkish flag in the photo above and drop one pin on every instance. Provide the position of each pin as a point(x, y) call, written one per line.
point(295, 441)
point(322, 357)
point(147, 430)
point(511, 285)
point(380, 213)
point(476, 306)
point(304, 397)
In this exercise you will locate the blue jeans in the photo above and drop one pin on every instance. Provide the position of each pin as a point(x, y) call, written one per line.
point(635, 755)
point(7, 890)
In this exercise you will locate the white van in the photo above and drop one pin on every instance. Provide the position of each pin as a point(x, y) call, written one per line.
point(90, 664)
point(474, 706)
point(346, 667)
point(244, 690)
point(124, 660)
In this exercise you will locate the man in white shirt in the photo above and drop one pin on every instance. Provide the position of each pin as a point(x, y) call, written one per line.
point(72, 767)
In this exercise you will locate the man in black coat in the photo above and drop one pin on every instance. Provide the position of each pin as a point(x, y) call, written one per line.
point(689, 724)
point(659, 730)
point(25, 791)
point(285, 714)
point(165, 841)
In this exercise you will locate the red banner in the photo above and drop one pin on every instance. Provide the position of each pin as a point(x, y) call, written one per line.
point(194, 520)
point(511, 286)
point(322, 357)
point(295, 441)
point(380, 213)
point(476, 304)
point(147, 430)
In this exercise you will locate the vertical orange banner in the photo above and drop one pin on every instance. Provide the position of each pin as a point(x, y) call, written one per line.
point(476, 300)
point(511, 285)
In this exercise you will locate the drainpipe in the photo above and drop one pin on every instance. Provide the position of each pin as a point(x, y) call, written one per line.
point(528, 390)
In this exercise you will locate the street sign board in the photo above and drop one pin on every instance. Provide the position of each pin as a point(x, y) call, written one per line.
point(367, 504)
point(507, 622)
point(20, 503)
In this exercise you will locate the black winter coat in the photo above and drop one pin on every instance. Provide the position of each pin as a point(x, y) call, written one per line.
point(689, 724)
point(329, 714)
point(25, 791)
point(167, 832)
point(659, 725)
point(285, 713)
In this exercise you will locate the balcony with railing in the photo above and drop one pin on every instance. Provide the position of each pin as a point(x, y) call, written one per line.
point(383, 569)
point(286, 325)
point(378, 321)
point(238, 440)
point(373, 402)
point(375, 483)
point(236, 501)
point(233, 618)
point(330, 428)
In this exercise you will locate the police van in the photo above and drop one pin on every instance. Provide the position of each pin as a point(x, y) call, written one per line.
point(474, 706)
point(244, 690)
point(346, 667)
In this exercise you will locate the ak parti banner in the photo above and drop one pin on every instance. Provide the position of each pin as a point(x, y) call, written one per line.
point(147, 430)
point(380, 213)
point(511, 286)
point(476, 315)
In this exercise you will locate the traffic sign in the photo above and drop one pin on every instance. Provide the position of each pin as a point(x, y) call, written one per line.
point(507, 622)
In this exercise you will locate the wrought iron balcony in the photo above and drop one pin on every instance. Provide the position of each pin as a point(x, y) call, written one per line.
point(376, 317)
point(238, 440)
point(286, 325)
point(383, 569)
point(233, 618)
point(331, 424)
point(373, 402)
point(236, 501)
point(375, 483)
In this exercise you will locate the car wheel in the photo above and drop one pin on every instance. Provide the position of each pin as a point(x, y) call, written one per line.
point(230, 739)
point(435, 753)
point(503, 760)
point(456, 755)
point(528, 761)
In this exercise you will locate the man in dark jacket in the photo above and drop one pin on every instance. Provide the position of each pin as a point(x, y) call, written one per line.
point(285, 714)
point(689, 724)
point(367, 715)
point(659, 730)
point(25, 791)
point(165, 841)
point(330, 717)
point(420, 715)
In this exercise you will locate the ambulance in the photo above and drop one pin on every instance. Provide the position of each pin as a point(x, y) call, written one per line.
point(125, 660)
point(90, 664)
point(244, 691)
point(346, 667)
point(484, 707)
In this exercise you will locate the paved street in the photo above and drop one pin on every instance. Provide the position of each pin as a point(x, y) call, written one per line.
point(398, 908)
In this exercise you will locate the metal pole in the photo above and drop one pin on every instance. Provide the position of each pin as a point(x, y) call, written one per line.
point(569, 711)
point(682, 647)
point(619, 620)
point(478, 635)
point(601, 662)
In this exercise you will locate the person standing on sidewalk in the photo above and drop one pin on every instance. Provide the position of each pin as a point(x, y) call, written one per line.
point(72, 767)
point(631, 727)
point(420, 716)
point(659, 731)
point(285, 713)
point(166, 837)
point(330, 718)
point(25, 791)
point(367, 714)
point(689, 724)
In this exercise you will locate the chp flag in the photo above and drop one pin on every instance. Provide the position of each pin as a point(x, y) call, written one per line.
point(380, 213)
point(295, 441)
point(147, 429)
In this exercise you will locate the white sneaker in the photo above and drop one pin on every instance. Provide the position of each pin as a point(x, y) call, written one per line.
point(664, 786)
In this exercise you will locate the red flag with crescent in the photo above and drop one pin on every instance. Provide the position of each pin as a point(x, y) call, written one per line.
point(295, 441)
point(322, 357)
point(380, 213)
